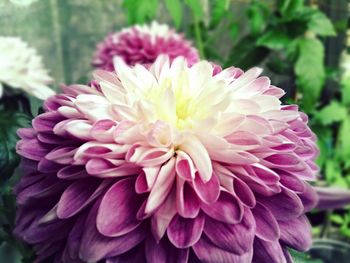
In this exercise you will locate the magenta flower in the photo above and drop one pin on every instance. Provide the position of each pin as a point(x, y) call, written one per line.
point(142, 44)
point(167, 163)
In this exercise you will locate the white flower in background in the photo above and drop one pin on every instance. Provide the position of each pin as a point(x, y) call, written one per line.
point(22, 68)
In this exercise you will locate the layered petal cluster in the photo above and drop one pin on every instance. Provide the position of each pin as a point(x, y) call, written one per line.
point(22, 68)
point(167, 163)
point(143, 44)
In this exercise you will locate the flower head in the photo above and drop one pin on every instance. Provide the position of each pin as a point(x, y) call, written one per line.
point(143, 44)
point(167, 163)
point(22, 68)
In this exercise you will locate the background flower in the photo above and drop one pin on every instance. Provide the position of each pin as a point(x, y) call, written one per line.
point(167, 164)
point(142, 44)
point(22, 68)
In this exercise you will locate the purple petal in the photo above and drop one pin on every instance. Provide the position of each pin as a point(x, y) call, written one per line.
point(45, 187)
point(309, 197)
point(117, 213)
point(75, 235)
point(72, 172)
point(46, 166)
point(285, 205)
point(26, 133)
point(226, 209)
point(208, 192)
point(292, 182)
point(187, 202)
point(46, 122)
point(104, 168)
point(236, 238)
point(207, 252)
point(77, 196)
point(266, 224)
point(162, 217)
point(62, 154)
point(184, 232)
point(136, 255)
point(164, 252)
point(266, 251)
point(32, 149)
point(161, 187)
point(296, 233)
point(244, 193)
point(95, 246)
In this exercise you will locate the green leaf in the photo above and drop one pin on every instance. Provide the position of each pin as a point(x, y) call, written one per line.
point(140, 11)
point(274, 39)
point(234, 31)
point(290, 7)
point(335, 218)
point(301, 257)
point(333, 172)
point(309, 70)
point(345, 91)
point(196, 8)
point(324, 142)
point(320, 24)
point(334, 112)
point(219, 10)
point(343, 139)
point(9, 123)
point(246, 55)
point(175, 11)
point(279, 65)
point(256, 19)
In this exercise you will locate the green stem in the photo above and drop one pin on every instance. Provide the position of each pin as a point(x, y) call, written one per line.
point(199, 39)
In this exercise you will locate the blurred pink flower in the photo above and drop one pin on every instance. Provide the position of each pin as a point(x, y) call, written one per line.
point(143, 44)
point(167, 163)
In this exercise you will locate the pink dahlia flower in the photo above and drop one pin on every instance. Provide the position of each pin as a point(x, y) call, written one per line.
point(142, 44)
point(167, 163)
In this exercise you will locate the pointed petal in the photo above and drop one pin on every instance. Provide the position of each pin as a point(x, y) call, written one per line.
point(244, 193)
point(284, 206)
point(226, 209)
point(117, 215)
point(77, 196)
point(162, 186)
point(208, 192)
point(266, 224)
point(207, 252)
point(236, 238)
point(163, 216)
point(95, 246)
point(164, 252)
point(185, 232)
point(200, 157)
point(265, 251)
point(296, 233)
point(184, 166)
point(187, 202)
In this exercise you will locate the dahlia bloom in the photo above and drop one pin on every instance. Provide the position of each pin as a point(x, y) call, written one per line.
point(167, 163)
point(142, 44)
point(22, 68)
